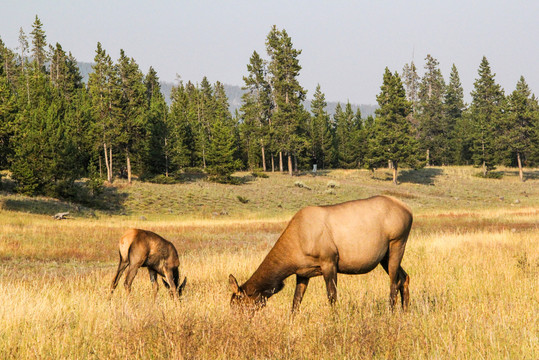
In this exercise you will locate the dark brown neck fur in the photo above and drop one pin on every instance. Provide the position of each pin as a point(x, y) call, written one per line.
point(267, 280)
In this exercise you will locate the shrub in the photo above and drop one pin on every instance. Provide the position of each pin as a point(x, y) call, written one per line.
point(258, 174)
point(162, 179)
point(301, 185)
point(490, 175)
point(332, 184)
point(242, 199)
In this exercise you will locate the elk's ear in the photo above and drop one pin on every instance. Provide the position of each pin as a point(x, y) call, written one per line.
point(233, 284)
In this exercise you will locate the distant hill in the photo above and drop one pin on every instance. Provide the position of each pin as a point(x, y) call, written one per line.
point(234, 93)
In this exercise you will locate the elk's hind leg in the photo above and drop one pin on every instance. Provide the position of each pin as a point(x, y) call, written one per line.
point(131, 273)
point(398, 278)
point(404, 281)
point(121, 268)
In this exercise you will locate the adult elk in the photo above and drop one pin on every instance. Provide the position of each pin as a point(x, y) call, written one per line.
point(348, 238)
point(141, 248)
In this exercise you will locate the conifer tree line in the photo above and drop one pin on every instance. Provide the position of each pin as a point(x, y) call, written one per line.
point(55, 129)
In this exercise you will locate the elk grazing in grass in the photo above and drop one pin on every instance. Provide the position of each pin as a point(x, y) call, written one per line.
point(141, 248)
point(348, 238)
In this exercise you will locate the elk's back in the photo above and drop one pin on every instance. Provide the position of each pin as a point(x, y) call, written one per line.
point(357, 232)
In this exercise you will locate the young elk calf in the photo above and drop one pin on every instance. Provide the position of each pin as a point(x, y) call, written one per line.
point(147, 249)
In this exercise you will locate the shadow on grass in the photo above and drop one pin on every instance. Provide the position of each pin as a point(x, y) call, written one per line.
point(109, 200)
point(319, 172)
point(528, 174)
point(190, 177)
point(232, 180)
point(37, 206)
point(423, 176)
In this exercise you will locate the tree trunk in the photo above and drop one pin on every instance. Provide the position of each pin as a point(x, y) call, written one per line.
point(520, 172)
point(110, 162)
point(272, 163)
point(290, 169)
point(128, 159)
point(295, 163)
point(100, 171)
point(395, 174)
point(280, 161)
point(428, 157)
point(263, 159)
point(166, 158)
point(203, 158)
point(107, 163)
point(484, 162)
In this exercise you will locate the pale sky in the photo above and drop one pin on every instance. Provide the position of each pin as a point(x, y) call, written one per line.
point(346, 44)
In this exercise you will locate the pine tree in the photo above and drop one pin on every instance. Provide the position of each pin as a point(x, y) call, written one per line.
point(287, 92)
point(8, 65)
point(321, 137)
point(517, 130)
point(64, 72)
point(453, 109)
point(103, 90)
point(411, 82)
point(23, 47)
point(157, 159)
point(485, 115)
point(132, 115)
point(46, 157)
point(392, 137)
point(39, 44)
point(433, 132)
point(370, 158)
point(205, 111)
point(221, 160)
point(347, 137)
point(256, 111)
point(180, 148)
point(8, 112)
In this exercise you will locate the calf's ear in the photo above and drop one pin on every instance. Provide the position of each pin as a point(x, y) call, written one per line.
point(233, 284)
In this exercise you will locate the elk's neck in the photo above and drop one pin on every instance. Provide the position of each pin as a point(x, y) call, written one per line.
point(268, 278)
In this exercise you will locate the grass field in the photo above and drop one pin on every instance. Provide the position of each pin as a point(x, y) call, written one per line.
point(472, 257)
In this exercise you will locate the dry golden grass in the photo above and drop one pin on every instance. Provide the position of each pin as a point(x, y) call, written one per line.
point(474, 294)
point(474, 287)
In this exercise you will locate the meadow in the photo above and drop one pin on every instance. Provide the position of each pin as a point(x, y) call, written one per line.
point(472, 257)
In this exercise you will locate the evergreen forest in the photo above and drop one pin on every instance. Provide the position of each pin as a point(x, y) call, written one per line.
point(59, 134)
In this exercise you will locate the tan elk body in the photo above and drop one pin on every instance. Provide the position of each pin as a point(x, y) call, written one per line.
point(348, 238)
point(142, 248)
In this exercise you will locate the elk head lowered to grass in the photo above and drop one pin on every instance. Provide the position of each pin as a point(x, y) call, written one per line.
point(141, 248)
point(348, 238)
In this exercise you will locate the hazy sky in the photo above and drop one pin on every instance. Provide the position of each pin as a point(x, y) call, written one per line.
point(346, 44)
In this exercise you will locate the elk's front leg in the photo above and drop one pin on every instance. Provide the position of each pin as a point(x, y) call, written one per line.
point(329, 271)
point(170, 279)
point(301, 286)
point(155, 283)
